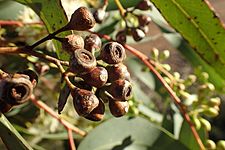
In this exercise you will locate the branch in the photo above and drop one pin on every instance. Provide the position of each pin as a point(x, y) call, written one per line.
point(175, 98)
point(25, 50)
point(17, 23)
point(66, 124)
point(71, 141)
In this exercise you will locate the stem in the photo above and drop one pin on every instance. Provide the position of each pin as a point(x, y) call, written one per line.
point(175, 98)
point(71, 141)
point(120, 7)
point(24, 50)
point(48, 37)
point(66, 124)
point(17, 23)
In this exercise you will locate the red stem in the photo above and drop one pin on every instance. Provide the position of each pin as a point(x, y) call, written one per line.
point(66, 124)
point(17, 23)
point(175, 98)
point(71, 141)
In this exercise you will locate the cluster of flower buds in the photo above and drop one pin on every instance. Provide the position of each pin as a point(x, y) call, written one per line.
point(16, 89)
point(137, 32)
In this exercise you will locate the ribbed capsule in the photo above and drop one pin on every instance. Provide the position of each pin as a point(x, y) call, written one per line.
point(120, 89)
point(72, 42)
point(17, 90)
point(92, 43)
point(97, 77)
point(113, 53)
point(82, 61)
point(84, 101)
point(118, 108)
point(97, 114)
point(118, 71)
point(81, 20)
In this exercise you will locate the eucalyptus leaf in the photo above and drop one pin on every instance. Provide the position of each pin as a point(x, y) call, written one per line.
point(191, 142)
point(200, 26)
point(53, 16)
point(130, 134)
point(10, 137)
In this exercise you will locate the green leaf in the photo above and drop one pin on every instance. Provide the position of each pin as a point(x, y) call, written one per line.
point(11, 138)
point(125, 3)
point(130, 134)
point(200, 26)
point(178, 42)
point(53, 16)
point(187, 138)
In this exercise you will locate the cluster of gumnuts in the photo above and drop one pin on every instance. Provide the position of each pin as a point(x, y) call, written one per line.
point(139, 32)
point(100, 75)
point(97, 80)
point(111, 81)
point(95, 83)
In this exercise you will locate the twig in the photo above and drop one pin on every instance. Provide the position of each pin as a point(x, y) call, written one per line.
point(25, 50)
point(17, 23)
point(120, 7)
point(71, 141)
point(66, 124)
point(175, 98)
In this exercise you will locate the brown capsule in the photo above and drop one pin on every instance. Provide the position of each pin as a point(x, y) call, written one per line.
point(113, 53)
point(71, 42)
point(121, 36)
point(4, 75)
point(99, 15)
point(144, 20)
point(17, 90)
point(92, 43)
point(144, 5)
point(137, 34)
point(33, 77)
point(98, 113)
point(82, 61)
point(118, 108)
point(120, 89)
point(81, 20)
point(96, 77)
point(84, 101)
point(118, 71)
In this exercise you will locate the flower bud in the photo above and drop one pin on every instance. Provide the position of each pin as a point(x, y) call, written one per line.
point(205, 123)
